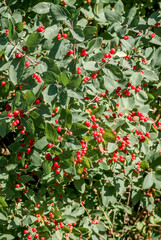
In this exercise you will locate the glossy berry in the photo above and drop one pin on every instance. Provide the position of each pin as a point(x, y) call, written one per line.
point(126, 37)
point(112, 50)
point(27, 64)
point(19, 55)
point(24, 48)
point(59, 36)
point(65, 35)
point(26, 231)
point(3, 83)
point(59, 129)
point(79, 70)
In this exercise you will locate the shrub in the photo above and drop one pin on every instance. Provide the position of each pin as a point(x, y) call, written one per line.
point(79, 121)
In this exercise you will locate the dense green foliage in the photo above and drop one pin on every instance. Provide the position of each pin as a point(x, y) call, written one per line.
point(80, 120)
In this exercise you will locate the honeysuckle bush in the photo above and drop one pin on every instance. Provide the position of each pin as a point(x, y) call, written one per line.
point(80, 117)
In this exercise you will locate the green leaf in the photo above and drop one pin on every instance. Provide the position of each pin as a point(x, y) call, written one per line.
point(67, 116)
point(112, 16)
point(50, 94)
point(41, 8)
point(49, 77)
point(128, 102)
point(30, 98)
point(59, 13)
point(32, 42)
point(142, 96)
point(112, 147)
point(51, 32)
point(136, 197)
point(16, 70)
point(51, 133)
point(19, 27)
point(77, 34)
point(71, 142)
point(115, 71)
point(108, 195)
point(144, 165)
point(28, 124)
point(11, 30)
point(3, 203)
point(79, 185)
point(98, 111)
point(119, 7)
point(63, 79)
point(25, 179)
point(3, 128)
point(28, 220)
point(41, 143)
point(36, 159)
point(154, 18)
point(79, 129)
point(52, 66)
point(75, 81)
point(46, 167)
point(109, 136)
point(148, 181)
point(91, 66)
point(94, 44)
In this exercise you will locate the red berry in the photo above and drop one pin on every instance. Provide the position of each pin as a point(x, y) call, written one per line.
point(29, 237)
point(24, 48)
point(112, 50)
point(19, 55)
point(26, 231)
point(79, 70)
point(16, 112)
point(27, 64)
point(50, 145)
point(59, 129)
point(65, 35)
point(153, 35)
point(59, 36)
point(126, 37)
point(3, 83)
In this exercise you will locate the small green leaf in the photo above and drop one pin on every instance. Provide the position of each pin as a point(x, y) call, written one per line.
point(49, 77)
point(144, 165)
point(36, 159)
point(3, 128)
point(16, 70)
point(78, 34)
point(59, 13)
point(115, 71)
point(75, 81)
point(148, 181)
point(78, 129)
point(19, 27)
point(41, 8)
point(51, 133)
point(3, 202)
point(91, 66)
point(63, 79)
point(108, 195)
point(32, 42)
point(46, 167)
point(109, 136)
point(80, 185)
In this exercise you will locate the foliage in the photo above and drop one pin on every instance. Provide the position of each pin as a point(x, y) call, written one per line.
point(80, 121)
